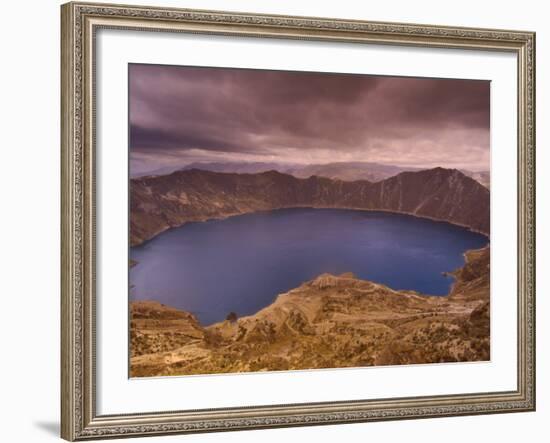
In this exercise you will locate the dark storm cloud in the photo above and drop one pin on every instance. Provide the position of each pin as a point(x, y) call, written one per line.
point(232, 114)
point(173, 140)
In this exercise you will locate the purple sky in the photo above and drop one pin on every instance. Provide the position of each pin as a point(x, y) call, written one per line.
point(179, 115)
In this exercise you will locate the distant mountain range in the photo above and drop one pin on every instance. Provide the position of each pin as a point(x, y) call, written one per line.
point(160, 202)
point(347, 171)
point(242, 167)
point(351, 171)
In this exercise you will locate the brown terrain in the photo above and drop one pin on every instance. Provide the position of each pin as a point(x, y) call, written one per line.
point(331, 321)
point(158, 203)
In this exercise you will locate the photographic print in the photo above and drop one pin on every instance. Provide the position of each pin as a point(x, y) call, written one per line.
point(283, 220)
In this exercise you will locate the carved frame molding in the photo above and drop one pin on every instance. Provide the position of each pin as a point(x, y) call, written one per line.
point(80, 21)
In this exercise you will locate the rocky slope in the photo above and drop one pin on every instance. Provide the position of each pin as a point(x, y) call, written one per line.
point(331, 321)
point(161, 202)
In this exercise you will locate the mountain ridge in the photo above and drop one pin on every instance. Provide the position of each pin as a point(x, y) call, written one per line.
point(158, 203)
point(343, 170)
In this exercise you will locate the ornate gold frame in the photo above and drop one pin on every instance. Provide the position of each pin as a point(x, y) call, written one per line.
point(80, 21)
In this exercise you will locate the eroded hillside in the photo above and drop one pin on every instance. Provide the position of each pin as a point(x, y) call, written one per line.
point(161, 202)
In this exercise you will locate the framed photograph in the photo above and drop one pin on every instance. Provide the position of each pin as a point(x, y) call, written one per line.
point(282, 221)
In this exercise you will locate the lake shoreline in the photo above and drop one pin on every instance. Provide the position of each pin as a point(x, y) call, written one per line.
point(236, 214)
point(374, 229)
point(451, 274)
point(385, 327)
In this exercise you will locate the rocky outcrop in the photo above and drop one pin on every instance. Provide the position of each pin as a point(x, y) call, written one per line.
point(161, 202)
point(329, 322)
point(179, 327)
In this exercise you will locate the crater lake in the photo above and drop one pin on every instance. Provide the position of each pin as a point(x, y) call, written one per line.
point(240, 264)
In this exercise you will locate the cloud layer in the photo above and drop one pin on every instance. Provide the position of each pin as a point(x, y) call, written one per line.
point(185, 114)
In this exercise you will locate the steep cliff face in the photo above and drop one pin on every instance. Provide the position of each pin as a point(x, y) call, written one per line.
point(161, 202)
point(329, 322)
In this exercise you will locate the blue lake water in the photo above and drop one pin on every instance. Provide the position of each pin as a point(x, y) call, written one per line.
point(241, 263)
